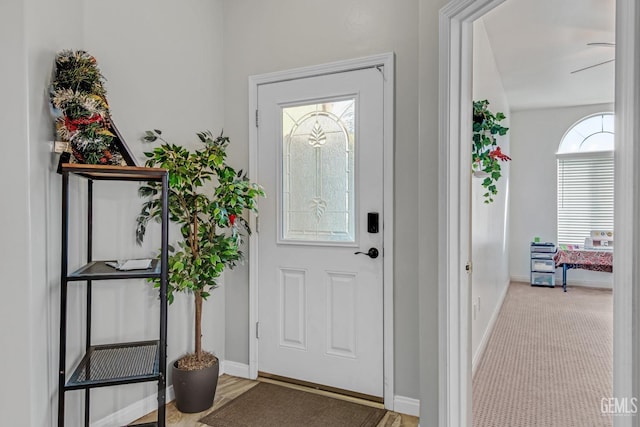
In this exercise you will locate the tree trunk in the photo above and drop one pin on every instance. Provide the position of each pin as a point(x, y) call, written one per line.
point(198, 325)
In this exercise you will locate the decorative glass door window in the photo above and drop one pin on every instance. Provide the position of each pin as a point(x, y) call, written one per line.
point(318, 162)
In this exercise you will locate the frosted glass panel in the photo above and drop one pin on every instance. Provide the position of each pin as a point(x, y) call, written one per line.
point(318, 172)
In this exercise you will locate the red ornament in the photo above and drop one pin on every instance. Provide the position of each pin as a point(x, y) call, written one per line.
point(498, 154)
point(232, 219)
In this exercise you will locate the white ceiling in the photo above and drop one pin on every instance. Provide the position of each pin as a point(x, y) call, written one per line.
point(537, 43)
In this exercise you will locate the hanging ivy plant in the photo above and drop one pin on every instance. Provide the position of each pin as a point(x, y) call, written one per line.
point(486, 153)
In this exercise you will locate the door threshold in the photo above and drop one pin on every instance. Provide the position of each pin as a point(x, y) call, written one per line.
point(307, 384)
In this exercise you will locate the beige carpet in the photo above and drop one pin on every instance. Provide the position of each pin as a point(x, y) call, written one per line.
point(548, 361)
point(270, 405)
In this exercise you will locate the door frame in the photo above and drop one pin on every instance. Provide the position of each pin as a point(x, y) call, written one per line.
point(385, 60)
point(455, 35)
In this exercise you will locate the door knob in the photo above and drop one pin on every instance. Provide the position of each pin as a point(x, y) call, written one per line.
point(371, 253)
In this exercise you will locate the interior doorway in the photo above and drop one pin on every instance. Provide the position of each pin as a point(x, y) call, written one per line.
point(455, 300)
point(533, 86)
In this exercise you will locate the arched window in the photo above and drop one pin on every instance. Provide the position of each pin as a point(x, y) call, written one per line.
point(585, 179)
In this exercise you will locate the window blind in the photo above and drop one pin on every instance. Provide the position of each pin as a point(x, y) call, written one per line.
point(585, 196)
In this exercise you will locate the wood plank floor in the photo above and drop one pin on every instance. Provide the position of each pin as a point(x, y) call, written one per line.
point(231, 387)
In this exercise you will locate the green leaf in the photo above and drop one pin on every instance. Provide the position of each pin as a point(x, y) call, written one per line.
point(485, 126)
point(202, 188)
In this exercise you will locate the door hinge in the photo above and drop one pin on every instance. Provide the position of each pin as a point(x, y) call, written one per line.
point(469, 267)
point(256, 118)
point(257, 224)
point(257, 330)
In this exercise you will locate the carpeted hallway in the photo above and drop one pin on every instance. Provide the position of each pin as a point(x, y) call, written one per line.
point(548, 361)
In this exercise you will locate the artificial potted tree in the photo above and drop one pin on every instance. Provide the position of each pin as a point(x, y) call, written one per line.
point(208, 200)
point(486, 154)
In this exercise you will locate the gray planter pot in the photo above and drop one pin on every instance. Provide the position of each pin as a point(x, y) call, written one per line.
point(194, 390)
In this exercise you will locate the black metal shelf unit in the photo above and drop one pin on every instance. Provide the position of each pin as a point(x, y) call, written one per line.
point(119, 363)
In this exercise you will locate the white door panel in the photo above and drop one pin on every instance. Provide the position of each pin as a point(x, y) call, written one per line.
point(320, 145)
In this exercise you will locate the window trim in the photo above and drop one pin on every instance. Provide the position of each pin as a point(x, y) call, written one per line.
point(579, 155)
point(576, 123)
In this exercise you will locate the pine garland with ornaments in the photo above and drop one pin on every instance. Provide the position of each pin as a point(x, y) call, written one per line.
point(81, 111)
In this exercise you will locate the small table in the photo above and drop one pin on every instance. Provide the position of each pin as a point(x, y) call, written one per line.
point(586, 259)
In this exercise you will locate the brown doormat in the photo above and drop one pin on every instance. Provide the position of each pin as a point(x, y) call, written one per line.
point(270, 405)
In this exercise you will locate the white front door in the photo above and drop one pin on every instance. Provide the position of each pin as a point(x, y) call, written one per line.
point(320, 160)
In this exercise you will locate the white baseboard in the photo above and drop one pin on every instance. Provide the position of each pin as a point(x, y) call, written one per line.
point(477, 357)
point(587, 284)
point(584, 283)
point(406, 405)
point(133, 411)
point(235, 369)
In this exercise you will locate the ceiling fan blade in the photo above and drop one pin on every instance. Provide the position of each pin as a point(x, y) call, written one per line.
point(591, 66)
point(605, 44)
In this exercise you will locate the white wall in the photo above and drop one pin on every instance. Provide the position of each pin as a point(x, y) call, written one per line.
point(535, 137)
point(15, 305)
point(28, 35)
point(141, 47)
point(277, 35)
point(162, 64)
point(427, 233)
point(490, 222)
point(163, 70)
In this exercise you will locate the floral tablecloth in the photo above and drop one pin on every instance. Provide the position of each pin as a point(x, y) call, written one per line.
point(585, 259)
